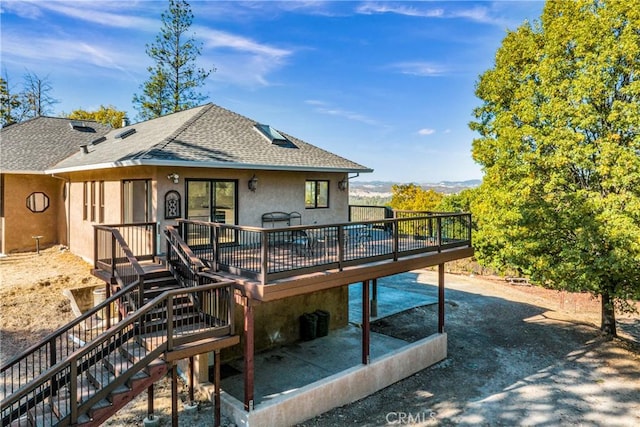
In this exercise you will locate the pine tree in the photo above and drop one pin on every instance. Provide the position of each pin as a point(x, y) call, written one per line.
point(174, 78)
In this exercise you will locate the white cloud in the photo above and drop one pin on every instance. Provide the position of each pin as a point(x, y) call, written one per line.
point(419, 68)
point(399, 9)
point(324, 108)
point(109, 14)
point(454, 10)
point(426, 131)
point(52, 50)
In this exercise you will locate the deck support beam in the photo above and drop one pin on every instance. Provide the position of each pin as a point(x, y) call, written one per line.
point(366, 337)
point(248, 355)
point(150, 402)
point(441, 298)
point(191, 384)
point(217, 416)
point(174, 395)
point(374, 298)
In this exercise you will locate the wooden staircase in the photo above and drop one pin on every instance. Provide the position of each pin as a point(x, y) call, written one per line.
point(161, 321)
point(139, 354)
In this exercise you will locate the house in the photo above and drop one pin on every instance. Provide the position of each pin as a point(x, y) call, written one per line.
point(199, 161)
point(33, 203)
point(255, 207)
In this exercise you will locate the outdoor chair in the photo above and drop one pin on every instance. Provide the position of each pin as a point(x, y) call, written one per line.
point(301, 243)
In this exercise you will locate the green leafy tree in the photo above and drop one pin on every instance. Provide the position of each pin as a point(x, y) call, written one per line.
point(108, 115)
point(174, 78)
point(560, 148)
point(458, 202)
point(414, 198)
point(11, 105)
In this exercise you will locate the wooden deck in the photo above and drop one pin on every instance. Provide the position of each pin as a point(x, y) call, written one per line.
point(291, 269)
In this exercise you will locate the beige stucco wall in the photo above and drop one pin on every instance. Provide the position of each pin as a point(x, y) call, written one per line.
point(20, 224)
point(278, 322)
point(277, 191)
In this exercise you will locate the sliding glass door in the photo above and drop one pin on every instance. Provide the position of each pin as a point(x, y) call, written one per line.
point(213, 200)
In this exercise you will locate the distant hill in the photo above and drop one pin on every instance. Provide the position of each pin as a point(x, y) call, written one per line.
point(383, 188)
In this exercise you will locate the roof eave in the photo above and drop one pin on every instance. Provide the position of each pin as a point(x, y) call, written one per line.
point(216, 165)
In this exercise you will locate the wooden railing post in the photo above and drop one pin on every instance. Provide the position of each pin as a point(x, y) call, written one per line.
point(53, 359)
point(264, 257)
point(95, 248)
point(340, 246)
point(73, 390)
point(113, 255)
point(155, 240)
point(396, 235)
point(439, 232)
point(170, 323)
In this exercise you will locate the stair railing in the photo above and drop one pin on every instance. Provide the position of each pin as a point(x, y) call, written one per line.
point(181, 260)
point(45, 354)
point(62, 383)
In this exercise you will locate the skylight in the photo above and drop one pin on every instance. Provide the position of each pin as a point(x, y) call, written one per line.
point(80, 126)
point(126, 133)
point(274, 136)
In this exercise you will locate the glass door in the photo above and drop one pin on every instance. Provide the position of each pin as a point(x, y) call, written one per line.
point(213, 201)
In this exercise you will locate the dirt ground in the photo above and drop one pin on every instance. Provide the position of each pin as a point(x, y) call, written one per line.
point(518, 355)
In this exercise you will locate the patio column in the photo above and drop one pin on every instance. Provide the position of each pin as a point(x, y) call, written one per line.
point(440, 298)
point(248, 354)
point(366, 338)
point(374, 298)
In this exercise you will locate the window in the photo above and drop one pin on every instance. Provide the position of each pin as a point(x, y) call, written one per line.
point(316, 194)
point(136, 201)
point(85, 200)
point(101, 202)
point(37, 202)
point(93, 201)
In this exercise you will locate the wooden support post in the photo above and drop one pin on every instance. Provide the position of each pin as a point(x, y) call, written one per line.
point(365, 323)
point(248, 355)
point(440, 298)
point(374, 298)
point(150, 402)
point(216, 394)
point(191, 384)
point(174, 395)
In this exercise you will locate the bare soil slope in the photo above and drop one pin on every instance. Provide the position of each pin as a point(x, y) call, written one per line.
point(518, 355)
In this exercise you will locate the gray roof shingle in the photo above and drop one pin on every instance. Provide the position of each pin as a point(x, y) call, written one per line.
point(205, 136)
point(39, 143)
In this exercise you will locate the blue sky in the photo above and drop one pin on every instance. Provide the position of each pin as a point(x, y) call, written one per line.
point(389, 84)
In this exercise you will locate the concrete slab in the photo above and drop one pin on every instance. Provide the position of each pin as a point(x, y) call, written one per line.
point(281, 371)
point(298, 380)
point(395, 294)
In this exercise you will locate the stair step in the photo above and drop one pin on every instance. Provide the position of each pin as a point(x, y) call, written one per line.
point(101, 377)
point(179, 321)
point(118, 364)
point(42, 415)
point(181, 305)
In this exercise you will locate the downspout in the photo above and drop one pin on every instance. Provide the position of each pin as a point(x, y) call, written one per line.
point(67, 191)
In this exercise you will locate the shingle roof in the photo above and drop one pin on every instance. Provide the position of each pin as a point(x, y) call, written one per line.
point(205, 136)
point(39, 143)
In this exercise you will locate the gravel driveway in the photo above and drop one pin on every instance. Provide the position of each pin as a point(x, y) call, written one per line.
point(515, 358)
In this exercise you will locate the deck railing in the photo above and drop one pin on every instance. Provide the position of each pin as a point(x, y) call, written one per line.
point(45, 354)
point(369, 213)
point(62, 383)
point(274, 253)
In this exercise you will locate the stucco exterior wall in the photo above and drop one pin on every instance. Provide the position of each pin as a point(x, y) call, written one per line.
point(277, 191)
point(20, 223)
point(278, 322)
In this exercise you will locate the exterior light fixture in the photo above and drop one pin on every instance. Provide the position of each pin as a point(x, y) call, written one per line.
point(173, 177)
point(253, 183)
point(342, 185)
